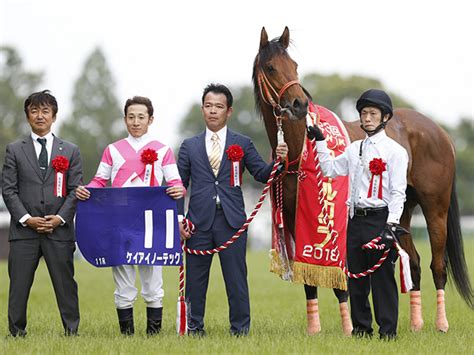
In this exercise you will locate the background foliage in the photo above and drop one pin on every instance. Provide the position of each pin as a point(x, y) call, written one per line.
point(97, 119)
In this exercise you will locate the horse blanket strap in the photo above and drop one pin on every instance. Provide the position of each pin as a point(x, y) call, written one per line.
point(320, 228)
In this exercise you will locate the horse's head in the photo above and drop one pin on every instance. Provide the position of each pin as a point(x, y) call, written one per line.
point(275, 79)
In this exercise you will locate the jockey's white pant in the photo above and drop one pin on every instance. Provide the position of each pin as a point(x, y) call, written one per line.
point(126, 293)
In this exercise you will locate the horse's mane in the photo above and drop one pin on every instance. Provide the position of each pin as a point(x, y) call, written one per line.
point(272, 49)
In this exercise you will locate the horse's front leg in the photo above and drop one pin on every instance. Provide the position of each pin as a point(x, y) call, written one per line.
point(416, 318)
point(346, 321)
point(312, 310)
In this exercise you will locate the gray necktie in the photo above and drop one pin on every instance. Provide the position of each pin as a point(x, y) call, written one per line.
point(43, 157)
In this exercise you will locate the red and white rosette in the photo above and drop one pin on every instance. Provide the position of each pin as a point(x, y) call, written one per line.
point(376, 166)
point(60, 164)
point(235, 154)
point(148, 157)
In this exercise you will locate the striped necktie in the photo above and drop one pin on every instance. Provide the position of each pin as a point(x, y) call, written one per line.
point(215, 156)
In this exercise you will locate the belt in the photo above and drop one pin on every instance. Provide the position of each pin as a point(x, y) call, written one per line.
point(218, 206)
point(367, 211)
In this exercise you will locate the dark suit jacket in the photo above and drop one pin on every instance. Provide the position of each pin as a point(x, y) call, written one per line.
point(25, 191)
point(194, 166)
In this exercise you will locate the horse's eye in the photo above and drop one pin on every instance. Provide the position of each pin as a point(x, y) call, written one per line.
point(270, 68)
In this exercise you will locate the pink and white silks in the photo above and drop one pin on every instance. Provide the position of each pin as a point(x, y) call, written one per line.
point(121, 164)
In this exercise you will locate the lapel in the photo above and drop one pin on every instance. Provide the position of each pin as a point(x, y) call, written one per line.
point(201, 146)
point(229, 140)
point(30, 153)
point(55, 151)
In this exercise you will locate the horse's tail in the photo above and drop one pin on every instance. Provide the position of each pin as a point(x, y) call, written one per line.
point(456, 261)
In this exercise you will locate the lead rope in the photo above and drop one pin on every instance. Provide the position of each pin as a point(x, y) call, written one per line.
point(247, 222)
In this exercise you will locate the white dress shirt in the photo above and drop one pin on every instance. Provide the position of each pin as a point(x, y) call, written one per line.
point(222, 134)
point(394, 179)
point(49, 144)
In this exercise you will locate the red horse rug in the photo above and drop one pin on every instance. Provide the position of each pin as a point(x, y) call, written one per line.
point(312, 255)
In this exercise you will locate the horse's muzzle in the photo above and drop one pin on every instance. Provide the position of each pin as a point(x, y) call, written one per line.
point(297, 110)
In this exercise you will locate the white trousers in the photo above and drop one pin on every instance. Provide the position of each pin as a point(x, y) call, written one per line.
point(126, 293)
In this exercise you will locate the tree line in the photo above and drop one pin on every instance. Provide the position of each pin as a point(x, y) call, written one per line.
point(96, 117)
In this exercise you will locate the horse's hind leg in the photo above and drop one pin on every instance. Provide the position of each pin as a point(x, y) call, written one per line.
point(416, 318)
point(312, 310)
point(346, 322)
point(436, 214)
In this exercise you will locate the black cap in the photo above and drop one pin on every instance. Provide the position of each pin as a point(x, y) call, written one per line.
point(377, 98)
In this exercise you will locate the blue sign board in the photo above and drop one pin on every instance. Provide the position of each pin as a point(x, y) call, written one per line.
point(128, 226)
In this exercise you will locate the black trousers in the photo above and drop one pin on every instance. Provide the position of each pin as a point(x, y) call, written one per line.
point(22, 263)
point(362, 229)
point(234, 270)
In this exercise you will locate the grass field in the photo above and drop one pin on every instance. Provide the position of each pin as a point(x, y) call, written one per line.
point(278, 318)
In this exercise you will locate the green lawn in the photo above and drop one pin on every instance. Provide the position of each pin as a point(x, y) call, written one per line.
point(278, 318)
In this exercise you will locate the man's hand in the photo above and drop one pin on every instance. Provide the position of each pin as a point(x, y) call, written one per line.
point(54, 220)
point(314, 132)
point(281, 150)
point(82, 193)
point(185, 234)
point(388, 235)
point(175, 192)
point(40, 224)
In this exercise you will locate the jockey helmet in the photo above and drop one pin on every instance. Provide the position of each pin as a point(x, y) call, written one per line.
point(377, 98)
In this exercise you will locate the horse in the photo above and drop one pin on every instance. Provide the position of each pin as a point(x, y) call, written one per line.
point(430, 176)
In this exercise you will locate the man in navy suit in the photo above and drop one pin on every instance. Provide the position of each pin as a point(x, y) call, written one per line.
point(216, 208)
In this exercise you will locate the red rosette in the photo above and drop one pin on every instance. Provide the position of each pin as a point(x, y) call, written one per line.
point(149, 156)
point(235, 152)
point(377, 166)
point(60, 164)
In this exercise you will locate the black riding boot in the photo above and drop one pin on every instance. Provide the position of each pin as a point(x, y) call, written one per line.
point(125, 317)
point(153, 320)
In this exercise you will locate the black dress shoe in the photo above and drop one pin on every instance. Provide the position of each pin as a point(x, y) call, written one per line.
point(199, 333)
point(388, 337)
point(71, 333)
point(362, 333)
point(240, 333)
point(19, 334)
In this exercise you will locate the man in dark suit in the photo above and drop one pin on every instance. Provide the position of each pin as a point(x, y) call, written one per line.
point(216, 207)
point(42, 213)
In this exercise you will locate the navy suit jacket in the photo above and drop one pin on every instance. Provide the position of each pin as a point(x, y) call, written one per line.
point(195, 169)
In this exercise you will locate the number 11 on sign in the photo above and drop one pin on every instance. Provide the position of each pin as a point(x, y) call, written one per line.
point(149, 229)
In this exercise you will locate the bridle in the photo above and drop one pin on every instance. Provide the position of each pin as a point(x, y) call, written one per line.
point(271, 96)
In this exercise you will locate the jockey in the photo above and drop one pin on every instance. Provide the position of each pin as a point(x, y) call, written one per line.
point(122, 164)
point(377, 167)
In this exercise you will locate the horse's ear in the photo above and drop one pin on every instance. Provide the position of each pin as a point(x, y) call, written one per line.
point(263, 38)
point(285, 38)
